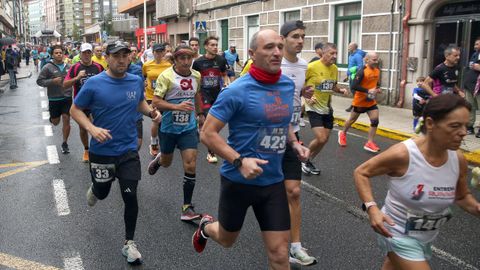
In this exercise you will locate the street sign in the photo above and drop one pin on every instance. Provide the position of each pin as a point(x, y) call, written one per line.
point(201, 26)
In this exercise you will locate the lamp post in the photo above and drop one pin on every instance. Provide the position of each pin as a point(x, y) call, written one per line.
point(145, 24)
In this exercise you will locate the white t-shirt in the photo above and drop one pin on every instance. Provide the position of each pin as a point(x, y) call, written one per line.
point(148, 54)
point(296, 72)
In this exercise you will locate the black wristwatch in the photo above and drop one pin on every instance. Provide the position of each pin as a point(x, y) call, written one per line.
point(237, 163)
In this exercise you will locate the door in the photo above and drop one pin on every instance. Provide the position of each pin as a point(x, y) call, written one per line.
point(224, 27)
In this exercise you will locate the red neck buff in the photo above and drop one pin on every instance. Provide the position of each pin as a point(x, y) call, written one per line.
point(263, 76)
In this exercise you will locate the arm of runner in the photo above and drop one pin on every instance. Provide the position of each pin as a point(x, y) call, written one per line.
point(302, 152)
point(427, 86)
point(307, 91)
point(392, 162)
point(146, 110)
point(43, 79)
point(463, 196)
point(226, 79)
point(210, 136)
point(198, 110)
point(81, 118)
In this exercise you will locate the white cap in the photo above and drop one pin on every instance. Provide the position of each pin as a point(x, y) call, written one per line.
point(232, 45)
point(86, 47)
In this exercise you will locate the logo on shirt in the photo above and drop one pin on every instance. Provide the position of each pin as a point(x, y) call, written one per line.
point(442, 193)
point(131, 95)
point(186, 84)
point(417, 192)
point(277, 110)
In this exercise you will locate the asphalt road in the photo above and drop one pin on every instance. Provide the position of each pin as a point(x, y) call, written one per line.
point(43, 225)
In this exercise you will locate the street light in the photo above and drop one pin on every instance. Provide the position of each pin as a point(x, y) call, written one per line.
point(145, 24)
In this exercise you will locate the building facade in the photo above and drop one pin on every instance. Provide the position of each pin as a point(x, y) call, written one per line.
point(7, 25)
point(408, 35)
point(50, 15)
point(36, 15)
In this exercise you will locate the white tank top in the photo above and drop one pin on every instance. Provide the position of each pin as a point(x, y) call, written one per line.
point(419, 201)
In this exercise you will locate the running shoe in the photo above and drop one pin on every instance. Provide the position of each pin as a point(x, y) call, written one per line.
point(130, 251)
point(153, 150)
point(302, 122)
point(475, 178)
point(188, 213)
point(91, 198)
point(211, 158)
point(309, 168)
point(342, 138)
point(371, 147)
point(65, 149)
point(86, 156)
point(199, 240)
point(154, 165)
point(300, 256)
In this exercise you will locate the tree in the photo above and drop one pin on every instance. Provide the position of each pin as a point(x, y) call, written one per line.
point(76, 32)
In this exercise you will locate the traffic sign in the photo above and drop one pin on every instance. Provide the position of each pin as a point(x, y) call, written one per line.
point(201, 26)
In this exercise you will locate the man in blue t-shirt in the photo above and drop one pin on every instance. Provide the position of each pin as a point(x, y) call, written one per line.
point(231, 56)
point(114, 97)
point(258, 108)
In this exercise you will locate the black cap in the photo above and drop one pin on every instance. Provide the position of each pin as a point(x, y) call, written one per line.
point(289, 26)
point(158, 47)
point(116, 47)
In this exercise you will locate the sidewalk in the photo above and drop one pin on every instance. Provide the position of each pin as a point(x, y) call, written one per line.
point(24, 71)
point(397, 124)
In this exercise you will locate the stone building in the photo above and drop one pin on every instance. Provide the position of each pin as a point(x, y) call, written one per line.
point(409, 35)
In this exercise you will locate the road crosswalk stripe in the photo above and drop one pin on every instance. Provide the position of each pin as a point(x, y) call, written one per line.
point(61, 199)
point(73, 262)
point(52, 154)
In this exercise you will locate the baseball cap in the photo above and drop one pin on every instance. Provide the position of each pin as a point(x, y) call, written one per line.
point(86, 47)
point(116, 47)
point(158, 47)
point(289, 26)
point(233, 45)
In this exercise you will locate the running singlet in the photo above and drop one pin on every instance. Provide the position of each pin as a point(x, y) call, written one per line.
point(418, 202)
point(323, 79)
point(175, 88)
point(102, 61)
point(90, 71)
point(113, 103)
point(258, 117)
point(34, 54)
point(296, 72)
point(368, 78)
point(151, 70)
point(212, 71)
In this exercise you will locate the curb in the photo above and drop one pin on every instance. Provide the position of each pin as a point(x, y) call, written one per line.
point(4, 88)
point(21, 77)
point(472, 157)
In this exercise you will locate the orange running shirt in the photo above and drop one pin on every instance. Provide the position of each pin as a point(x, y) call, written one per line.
point(368, 78)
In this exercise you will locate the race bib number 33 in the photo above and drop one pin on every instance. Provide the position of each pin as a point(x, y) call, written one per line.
point(272, 140)
point(102, 172)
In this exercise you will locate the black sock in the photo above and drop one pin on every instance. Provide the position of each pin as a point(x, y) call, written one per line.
point(188, 186)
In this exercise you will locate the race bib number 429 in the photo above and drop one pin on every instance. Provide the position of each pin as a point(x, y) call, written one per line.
point(272, 140)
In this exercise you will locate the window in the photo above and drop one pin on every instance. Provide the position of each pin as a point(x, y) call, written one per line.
point(293, 15)
point(252, 27)
point(347, 29)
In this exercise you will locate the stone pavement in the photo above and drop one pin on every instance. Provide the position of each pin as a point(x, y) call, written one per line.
point(396, 123)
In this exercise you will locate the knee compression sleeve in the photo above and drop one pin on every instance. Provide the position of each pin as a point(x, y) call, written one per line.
point(188, 186)
point(374, 122)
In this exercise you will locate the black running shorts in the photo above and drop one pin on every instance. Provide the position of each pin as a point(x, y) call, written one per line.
point(106, 168)
point(291, 165)
point(320, 120)
point(269, 204)
point(364, 109)
point(59, 107)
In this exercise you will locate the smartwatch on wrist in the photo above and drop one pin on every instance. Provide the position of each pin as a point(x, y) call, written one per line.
point(367, 205)
point(237, 163)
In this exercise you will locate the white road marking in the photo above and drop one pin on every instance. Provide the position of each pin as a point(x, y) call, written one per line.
point(52, 154)
point(44, 104)
point(441, 254)
point(61, 198)
point(48, 130)
point(73, 263)
point(42, 93)
point(45, 115)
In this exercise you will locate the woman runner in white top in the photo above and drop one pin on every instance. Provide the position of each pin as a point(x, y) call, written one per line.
point(426, 175)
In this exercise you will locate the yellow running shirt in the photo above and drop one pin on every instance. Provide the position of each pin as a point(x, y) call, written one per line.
point(323, 79)
point(100, 61)
point(150, 71)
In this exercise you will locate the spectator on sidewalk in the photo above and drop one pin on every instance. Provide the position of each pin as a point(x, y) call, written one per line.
point(420, 97)
point(10, 65)
point(471, 74)
point(355, 62)
point(27, 55)
point(444, 78)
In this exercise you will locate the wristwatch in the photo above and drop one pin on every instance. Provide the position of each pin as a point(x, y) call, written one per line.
point(237, 163)
point(367, 205)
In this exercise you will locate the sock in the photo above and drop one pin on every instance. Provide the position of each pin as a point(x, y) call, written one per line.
point(295, 246)
point(154, 140)
point(188, 186)
point(86, 148)
point(415, 122)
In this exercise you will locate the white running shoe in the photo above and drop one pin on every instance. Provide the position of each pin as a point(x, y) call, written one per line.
point(212, 158)
point(300, 256)
point(302, 122)
point(91, 198)
point(130, 251)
